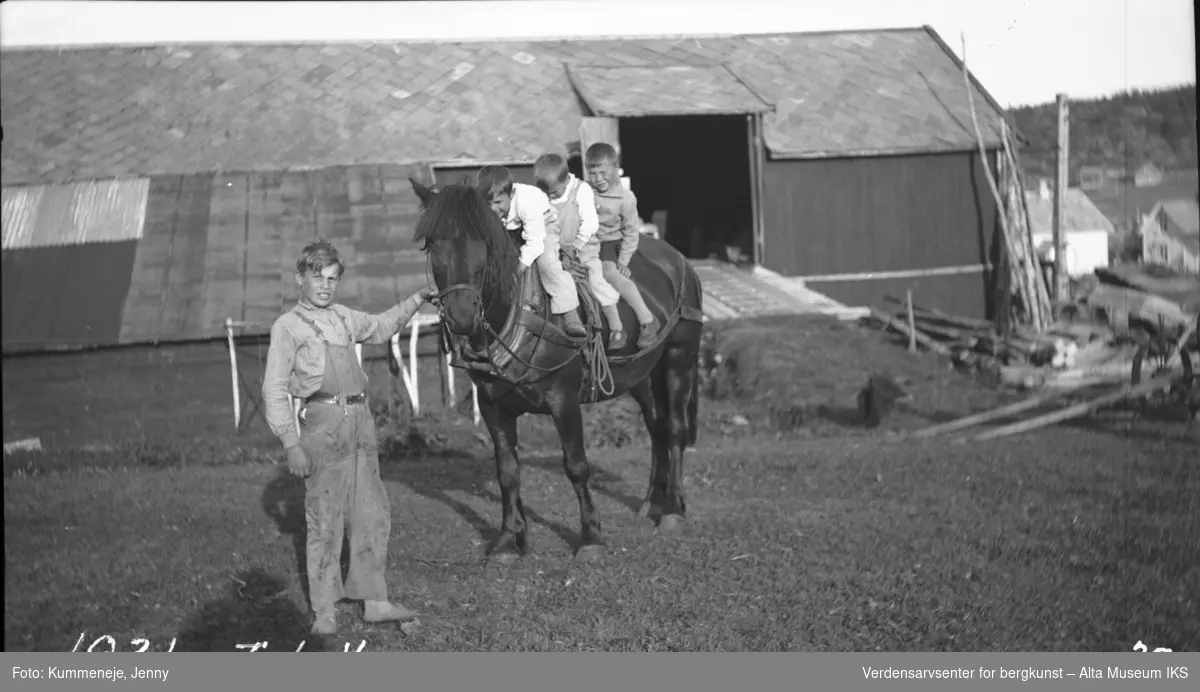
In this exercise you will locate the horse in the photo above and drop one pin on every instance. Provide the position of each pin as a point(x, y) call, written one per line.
point(531, 366)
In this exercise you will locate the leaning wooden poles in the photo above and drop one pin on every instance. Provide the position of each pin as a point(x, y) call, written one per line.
point(1082, 408)
point(1009, 195)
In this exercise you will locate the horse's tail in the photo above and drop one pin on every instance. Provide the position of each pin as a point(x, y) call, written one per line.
point(693, 408)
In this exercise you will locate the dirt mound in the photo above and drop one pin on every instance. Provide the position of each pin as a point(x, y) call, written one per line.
point(806, 372)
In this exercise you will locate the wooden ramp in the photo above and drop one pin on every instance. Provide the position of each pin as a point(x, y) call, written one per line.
point(732, 292)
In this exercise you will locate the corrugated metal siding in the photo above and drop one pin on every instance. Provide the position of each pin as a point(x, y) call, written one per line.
point(838, 216)
point(89, 212)
point(66, 296)
point(21, 206)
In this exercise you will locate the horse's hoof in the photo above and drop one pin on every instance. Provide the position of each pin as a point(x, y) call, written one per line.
point(589, 553)
point(670, 523)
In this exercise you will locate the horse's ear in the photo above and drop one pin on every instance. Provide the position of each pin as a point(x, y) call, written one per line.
point(424, 194)
point(465, 181)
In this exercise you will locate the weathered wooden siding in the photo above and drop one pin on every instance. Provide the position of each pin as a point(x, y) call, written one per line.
point(450, 176)
point(871, 214)
point(216, 246)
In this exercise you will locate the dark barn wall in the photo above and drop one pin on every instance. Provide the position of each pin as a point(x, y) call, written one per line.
point(66, 294)
point(849, 215)
point(168, 393)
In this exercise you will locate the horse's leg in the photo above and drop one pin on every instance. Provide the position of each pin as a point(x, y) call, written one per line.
point(678, 377)
point(654, 412)
point(502, 425)
point(568, 419)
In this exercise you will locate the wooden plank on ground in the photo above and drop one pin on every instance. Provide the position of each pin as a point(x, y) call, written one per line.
point(224, 267)
point(141, 312)
point(1127, 391)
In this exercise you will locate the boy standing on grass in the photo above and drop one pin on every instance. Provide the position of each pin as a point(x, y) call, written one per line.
point(616, 207)
point(335, 450)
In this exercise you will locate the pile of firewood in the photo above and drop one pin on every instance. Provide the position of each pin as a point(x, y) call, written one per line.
point(971, 343)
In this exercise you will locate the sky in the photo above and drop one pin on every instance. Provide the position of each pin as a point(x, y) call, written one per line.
point(1024, 51)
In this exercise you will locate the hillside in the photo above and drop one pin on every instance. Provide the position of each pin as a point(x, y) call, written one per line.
point(1121, 131)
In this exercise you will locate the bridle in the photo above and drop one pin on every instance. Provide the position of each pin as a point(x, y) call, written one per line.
point(483, 361)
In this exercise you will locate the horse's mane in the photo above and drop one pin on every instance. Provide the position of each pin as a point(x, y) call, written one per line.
point(458, 212)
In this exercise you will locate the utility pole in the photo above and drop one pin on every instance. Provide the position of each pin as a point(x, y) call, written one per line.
point(1061, 158)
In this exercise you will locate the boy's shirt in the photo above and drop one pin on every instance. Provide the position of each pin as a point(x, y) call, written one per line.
point(532, 213)
point(585, 200)
point(617, 211)
point(296, 356)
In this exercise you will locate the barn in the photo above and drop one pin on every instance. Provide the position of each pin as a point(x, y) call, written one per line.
point(152, 192)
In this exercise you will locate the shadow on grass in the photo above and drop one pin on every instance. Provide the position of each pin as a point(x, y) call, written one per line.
point(251, 609)
point(441, 475)
point(283, 502)
point(842, 416)
point(445, 475)
point(602, 482)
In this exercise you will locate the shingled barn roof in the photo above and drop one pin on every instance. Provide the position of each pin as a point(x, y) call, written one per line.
point(231, 157)
point(122, 111)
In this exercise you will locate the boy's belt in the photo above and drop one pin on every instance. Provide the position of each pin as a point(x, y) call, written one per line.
point(339, 399)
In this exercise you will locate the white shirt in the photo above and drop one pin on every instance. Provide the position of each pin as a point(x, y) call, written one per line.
point(589, 220)
point(531, 212)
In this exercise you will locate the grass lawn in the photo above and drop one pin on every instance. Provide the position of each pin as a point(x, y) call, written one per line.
point(805, 532)
point(821, 545)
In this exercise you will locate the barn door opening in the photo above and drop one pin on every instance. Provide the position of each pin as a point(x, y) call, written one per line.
point(692, 177)
point(688, 137)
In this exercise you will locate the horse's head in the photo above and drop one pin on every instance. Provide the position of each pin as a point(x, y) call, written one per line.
point(473, 260)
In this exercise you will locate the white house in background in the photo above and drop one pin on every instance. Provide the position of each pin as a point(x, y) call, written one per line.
point(1171, 235)
point(1147, 176)
point(1086, 231)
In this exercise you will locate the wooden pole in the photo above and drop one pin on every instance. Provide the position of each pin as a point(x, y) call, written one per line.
point(233, 373)
point(1061, 159)
point(1080, 409)
point(413, 335)
point(985, 416)
point(912, 325)
point(889, 321)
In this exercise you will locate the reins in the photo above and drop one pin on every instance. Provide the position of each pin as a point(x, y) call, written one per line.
point(455, 340)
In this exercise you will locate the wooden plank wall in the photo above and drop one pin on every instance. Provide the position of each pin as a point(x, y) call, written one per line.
point(225, 245)
point(265, 258)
